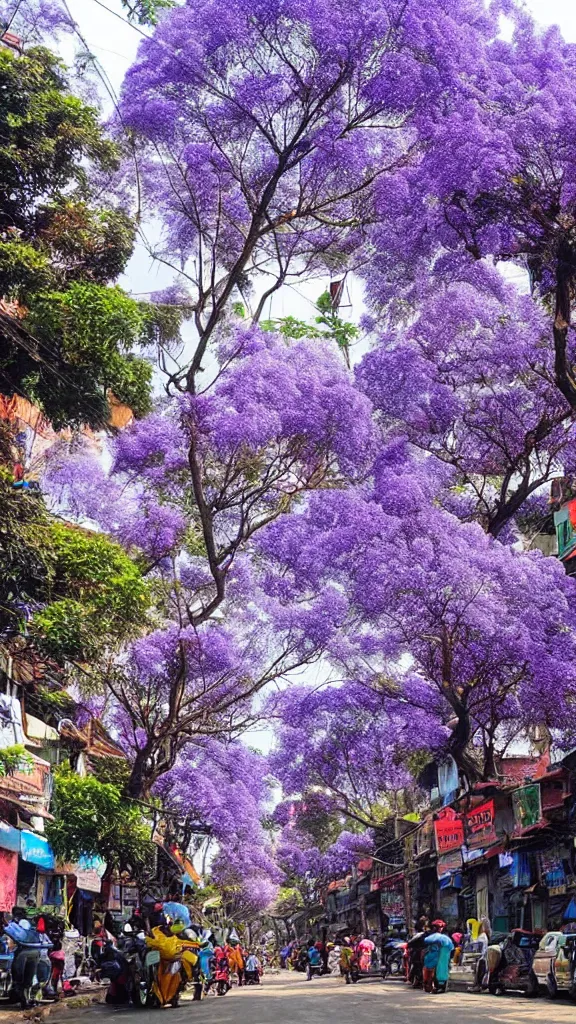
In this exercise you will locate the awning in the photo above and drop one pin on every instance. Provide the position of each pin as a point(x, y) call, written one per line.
point(9, 837)
point(24, 810)
point(37, 850)
point(36, 729)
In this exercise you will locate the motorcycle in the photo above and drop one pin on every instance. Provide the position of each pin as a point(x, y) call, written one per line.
point(393, 957)
point(511, 964)
point(222, 976)
point(130, 968)
point(252, 977)
point(168, 981)
point(6, 958)
point(31, 968)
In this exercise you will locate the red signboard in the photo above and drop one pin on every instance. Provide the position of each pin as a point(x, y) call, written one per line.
point(8, 875)
point(449, 831)
point(480, 828)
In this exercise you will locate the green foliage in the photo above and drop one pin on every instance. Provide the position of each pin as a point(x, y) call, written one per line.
point(62, 630)
point(25, 553)
point(53, 705)
point(22, 268)
point(76, 337)
point(335, 329)
point(94, 327)
point(45, 132)
point(84, 242)
point(15, 759)
point(288, 902)
point(96, 595)
point(342, 331)
point(291, 327)
point(146, 12)
point(92, 817)
point(85, 591)
point(114, 770)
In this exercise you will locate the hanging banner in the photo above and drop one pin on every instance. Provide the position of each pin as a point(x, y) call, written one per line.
point(527, 806)
point(449, 832)
point(480, 826)
point(8, 877)
point(552, 872)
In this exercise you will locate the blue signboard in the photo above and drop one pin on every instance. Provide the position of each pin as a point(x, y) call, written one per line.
point(9, 837)
point(37, 850)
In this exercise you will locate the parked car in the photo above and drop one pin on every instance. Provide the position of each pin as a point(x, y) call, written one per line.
point(554, 964)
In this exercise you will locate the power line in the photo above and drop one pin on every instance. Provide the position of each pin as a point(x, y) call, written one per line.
point(13, 15)
point(122, 18)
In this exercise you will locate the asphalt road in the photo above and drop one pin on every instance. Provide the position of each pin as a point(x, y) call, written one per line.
point(290, 999)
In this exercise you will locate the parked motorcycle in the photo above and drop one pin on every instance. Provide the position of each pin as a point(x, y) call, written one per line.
point(31, 966)
point(313, 970)
point(6, 958)
point(168, 982)
point(130, 968)
point(393, 954)
point(510, 964)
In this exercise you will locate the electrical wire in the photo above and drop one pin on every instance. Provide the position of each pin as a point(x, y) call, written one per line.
point(12, 16)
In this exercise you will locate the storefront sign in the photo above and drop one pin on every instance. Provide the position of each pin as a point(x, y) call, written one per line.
point(449, 831)
point(9, 837)
point(89, 872)
point(449, 863)
point(37, 850)
point(8, 876)
point(527, 806)
point(480, 829)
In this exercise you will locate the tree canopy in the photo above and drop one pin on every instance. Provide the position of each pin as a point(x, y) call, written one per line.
point(69, 338)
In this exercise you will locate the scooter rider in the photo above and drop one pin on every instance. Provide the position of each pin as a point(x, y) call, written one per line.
point(314, 960)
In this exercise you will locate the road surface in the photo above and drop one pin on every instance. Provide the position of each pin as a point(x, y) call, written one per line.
point(290, 999)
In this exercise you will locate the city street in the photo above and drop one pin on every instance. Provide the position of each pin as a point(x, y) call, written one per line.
point(289, 999)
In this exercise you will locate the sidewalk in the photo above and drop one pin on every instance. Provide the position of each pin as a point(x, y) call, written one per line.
point(57, 1011)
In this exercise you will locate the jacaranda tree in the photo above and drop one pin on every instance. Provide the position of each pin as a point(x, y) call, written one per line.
point(286, 509)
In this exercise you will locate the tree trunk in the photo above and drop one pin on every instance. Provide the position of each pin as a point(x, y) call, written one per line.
point(138, 783)
point(459, 745)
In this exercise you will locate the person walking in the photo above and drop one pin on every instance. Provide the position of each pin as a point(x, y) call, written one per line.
point(237, 960)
